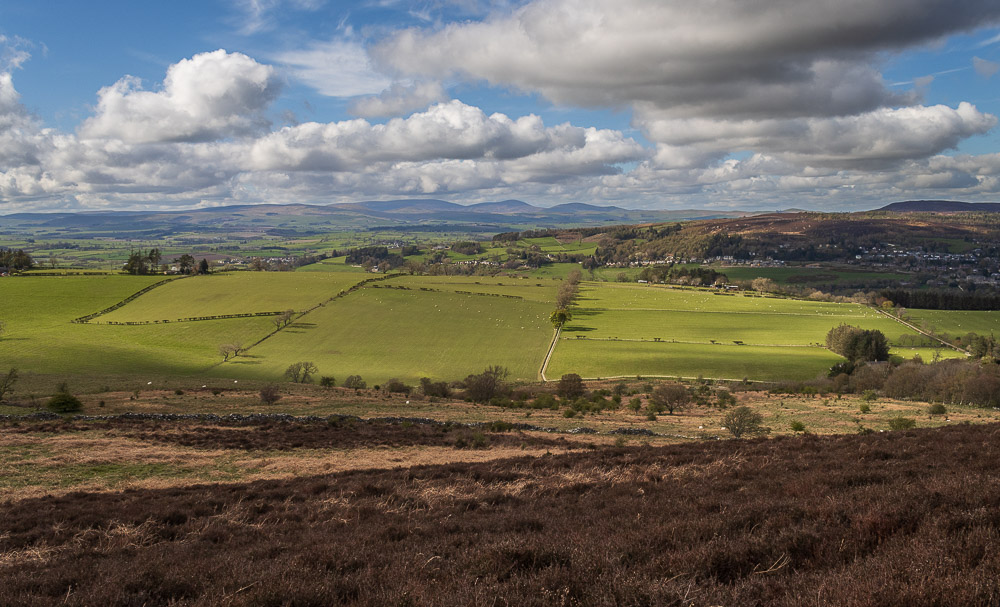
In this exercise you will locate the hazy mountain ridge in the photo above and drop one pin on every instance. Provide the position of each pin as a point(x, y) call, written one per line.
point(503, 215)
point(941, 206)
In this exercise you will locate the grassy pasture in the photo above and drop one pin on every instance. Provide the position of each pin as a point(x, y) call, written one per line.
point(540, 291)
point(631, 358)
point(781, 329)
point(958, 322)
point(769, 327)
point(383, 333)
point(926, 354)
point(647, 312)
point(235, 293)
point(41, 338)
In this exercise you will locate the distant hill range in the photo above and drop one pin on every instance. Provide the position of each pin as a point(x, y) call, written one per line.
point(409, 214)
point(942, 206)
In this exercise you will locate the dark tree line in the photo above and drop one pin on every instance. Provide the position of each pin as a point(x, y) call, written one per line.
point(15, 260)
point(374, 256)
point(942, 300)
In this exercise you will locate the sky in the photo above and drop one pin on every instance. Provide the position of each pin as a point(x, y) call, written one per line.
point(832, 105)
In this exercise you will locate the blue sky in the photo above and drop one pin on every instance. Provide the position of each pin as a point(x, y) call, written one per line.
point(817, 104)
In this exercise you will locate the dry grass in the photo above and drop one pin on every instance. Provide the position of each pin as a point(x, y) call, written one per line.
point(100, 459)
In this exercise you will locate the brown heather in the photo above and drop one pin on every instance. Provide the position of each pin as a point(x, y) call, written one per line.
point(904, 518)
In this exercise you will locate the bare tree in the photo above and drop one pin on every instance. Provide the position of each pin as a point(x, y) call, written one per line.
point(269, 394)
point(229, 350)
point(744, 421)
point(7, 383)
point(671, 397)
point(282, 320)
point(300, 372)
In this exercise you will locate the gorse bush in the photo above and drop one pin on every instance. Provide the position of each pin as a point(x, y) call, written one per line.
point(64, 402)
point(902, 423)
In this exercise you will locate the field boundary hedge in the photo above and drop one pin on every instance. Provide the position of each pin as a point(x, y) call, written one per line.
point(432, 290)
point(190, 318)
point(343, 293)
point(127, 300)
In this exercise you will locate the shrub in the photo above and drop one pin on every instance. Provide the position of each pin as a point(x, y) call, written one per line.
point(937, 409)
point(327, 382)
point(483, 387)
point(569, 412)
point(797, 426)
point(432, 388)
point(64, 402)
point(544, 401)
point(269, 394)
point(355, 382)
point(744, 421)
point(570, 386)
point(865, 408)
point(394, 385)
point(635, 404)
point(179, 392)
point(902, 423)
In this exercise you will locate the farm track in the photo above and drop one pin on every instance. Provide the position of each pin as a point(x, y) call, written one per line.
point(548, 355)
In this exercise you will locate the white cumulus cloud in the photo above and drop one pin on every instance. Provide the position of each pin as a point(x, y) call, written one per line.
point(206, 97)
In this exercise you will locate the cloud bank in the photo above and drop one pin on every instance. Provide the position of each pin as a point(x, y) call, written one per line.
point(740, 104)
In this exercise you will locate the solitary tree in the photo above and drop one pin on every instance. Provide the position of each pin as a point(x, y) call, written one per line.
point(744, 421)
point(203, 266)
point(230, 349)
point(570, 386)
point(670, 397)
point(7, 383)
point(300, 372)
point(269, 394)
point(355, 382)
point(282, 320)
point(560, 317)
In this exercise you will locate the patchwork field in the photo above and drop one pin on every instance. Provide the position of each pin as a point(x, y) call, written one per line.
point(380, 333)
point(630, 358)
point(236, 293)
point(442, 327)
point(626, 329)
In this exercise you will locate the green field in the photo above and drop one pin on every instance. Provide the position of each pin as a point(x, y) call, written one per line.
point(629, 358)
point(443, 327)
point(408, 334)
point(234, 293)
point(41, 338)
point(957, 322)
point(540, 291)
point(690, 332)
